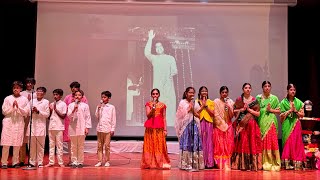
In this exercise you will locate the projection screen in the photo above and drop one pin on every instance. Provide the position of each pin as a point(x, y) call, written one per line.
point(103, 46)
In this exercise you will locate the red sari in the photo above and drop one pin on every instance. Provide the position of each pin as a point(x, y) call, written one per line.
point(248, 144)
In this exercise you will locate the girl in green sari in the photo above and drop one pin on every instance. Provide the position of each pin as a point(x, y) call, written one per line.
point(293, 149)
point(268, 123)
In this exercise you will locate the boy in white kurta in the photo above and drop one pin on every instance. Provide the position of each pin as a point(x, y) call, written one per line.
point(40, 114)
point(14, 108)
point(80, 122)
point(106, 115)
point(58, 110)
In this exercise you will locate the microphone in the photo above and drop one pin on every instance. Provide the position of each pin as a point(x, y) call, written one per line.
point(192, 100)
point(101, 103)
point(154, 101)
point(226, 101)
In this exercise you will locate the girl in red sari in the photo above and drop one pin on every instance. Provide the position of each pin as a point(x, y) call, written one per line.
point(155, 153)
point(223, 136)
point(248, 145)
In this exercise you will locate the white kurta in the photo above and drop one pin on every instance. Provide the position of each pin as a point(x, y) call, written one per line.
point(26, 93)
point(39, 121)
point(106, 118)
point(79, 120)
point(57, 123)
point(13, 123)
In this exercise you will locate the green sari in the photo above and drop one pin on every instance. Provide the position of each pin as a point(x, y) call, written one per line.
point(291, 120)
point(266, 119)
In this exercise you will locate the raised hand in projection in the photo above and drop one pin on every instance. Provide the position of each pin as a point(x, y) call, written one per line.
point(164, 68)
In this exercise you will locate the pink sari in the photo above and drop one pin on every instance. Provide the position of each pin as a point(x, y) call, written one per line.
point(223, 138)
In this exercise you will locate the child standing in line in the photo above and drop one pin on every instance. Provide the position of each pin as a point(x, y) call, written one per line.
point(106, 115)
point(40, 114)
point(14, 108)
point(58, 110)
point(80, 122)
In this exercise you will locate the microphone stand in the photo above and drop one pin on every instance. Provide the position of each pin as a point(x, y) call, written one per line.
point(192, 143)
point(29, 166)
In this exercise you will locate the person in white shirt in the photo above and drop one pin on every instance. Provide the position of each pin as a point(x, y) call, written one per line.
point(14, 108)
point(106, 115)
point(80, 122)
point(39, 116)
point(58, 111)
point(29, 93)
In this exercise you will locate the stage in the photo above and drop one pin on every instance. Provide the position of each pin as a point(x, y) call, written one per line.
point(90, 146)
point(127, 166)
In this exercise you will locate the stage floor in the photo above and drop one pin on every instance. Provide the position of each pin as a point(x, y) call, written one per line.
point(127, 166)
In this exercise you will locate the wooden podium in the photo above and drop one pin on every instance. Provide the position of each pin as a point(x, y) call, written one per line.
point(308, 125)
point(311, 144)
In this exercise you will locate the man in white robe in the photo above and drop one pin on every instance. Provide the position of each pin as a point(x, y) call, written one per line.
point(164, 68)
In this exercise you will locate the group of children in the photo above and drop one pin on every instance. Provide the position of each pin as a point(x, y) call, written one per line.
point(69, 121)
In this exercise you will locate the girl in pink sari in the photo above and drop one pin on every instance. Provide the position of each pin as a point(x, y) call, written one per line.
point(223, 136)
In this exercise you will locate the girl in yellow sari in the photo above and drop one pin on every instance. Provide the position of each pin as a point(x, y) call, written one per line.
point(206, 114)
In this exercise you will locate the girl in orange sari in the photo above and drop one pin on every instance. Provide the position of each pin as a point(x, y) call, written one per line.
point(248, 144)
point(155, 153)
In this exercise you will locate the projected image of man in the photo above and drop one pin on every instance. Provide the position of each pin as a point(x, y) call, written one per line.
point(164, 68)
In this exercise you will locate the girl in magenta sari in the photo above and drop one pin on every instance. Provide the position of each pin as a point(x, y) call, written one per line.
point(248, 146)
point(206, 114)
point(293, 149)
point(223, 136)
